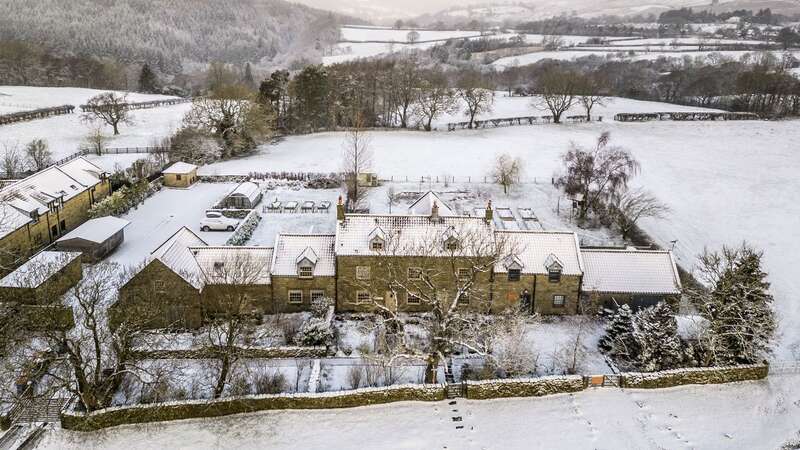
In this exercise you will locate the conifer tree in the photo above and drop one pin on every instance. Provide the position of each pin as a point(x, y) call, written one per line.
point(656, 336)
point(618, 342)
point(148, 82)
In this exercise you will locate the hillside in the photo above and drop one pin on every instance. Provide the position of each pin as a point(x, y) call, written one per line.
point(167, 33)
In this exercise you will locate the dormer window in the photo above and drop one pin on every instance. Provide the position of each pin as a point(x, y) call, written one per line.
point(554, 268)
point(377, 239)
point(305, 272)
point(514, 267)
point(376, 245)
point(554, 276)
point(451, 244)
point(514, 274)
point(218, 267)
point(306, 263)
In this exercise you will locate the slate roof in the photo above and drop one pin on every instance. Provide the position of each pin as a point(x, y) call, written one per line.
point(38, 269)
point(290, 248)
point(180, 168)
point(630, 272)
point(406, 235)
point(96, 230)
point(234, 265)
point(537, 249)
point(176, 254)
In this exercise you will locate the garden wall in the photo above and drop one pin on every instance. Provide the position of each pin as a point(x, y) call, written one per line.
point(526, 387)
point(112, 417)
point(704, 375)
point(246, 353)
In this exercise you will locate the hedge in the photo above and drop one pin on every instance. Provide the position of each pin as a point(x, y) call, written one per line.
point(249, 353)
point(701, 375)
point(525, 387)
point(159, 412)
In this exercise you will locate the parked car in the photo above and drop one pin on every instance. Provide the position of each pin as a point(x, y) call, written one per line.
point(217, 222)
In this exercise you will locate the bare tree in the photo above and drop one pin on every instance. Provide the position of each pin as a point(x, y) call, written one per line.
point(412, 37)
point(555, 90)
point(406, 86)
point(108, 108)
point(356, 160)
point(391, 198)
point(434, 98)
point(95, 141)
point(506, 171)
point(450, 281)
point(39, 155)
point(591, 89)
point(594, 176)
point(13, 160)
point(572, 356)
point(632, 205)
point(477, 95)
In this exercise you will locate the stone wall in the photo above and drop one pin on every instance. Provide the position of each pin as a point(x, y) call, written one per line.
point(112, 417)
point(281, 285)
point(526, 387)
point(507, 293)
point(704, 375)
point(244, 353)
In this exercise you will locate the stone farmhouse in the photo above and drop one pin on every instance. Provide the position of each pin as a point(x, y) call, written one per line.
point(36, 211)
point(398, 263)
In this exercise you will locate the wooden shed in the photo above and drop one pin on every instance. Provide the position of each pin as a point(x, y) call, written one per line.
point(247, 195)
point(96, 238)
point(180, 175)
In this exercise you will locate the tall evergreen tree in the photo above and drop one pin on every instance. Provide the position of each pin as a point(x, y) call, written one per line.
point(656, 336)
point(148, 82)
point(309, 90)
point(248, 78)
point(618, 342)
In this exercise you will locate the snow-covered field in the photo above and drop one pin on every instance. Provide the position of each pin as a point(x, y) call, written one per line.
point(65, 134)
point(22, 98)
point(752, 415)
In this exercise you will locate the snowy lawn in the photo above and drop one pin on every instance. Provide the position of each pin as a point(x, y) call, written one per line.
point(725, 181)
point(23, 98)
point(757, 415)
point(165, 213)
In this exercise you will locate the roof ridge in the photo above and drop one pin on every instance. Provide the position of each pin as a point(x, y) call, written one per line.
point(623, 250)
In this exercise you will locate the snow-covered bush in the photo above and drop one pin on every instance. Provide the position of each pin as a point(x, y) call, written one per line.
point(315, 332)
point(245, 230)
point(124, 199)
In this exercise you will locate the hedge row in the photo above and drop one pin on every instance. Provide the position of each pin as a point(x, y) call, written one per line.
point(160, 412)
point(247, 353)
point(527, 387)
point(704, 375)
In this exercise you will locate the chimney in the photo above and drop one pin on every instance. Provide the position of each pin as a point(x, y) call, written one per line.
point(340, 210)
point(434, 212)
point(489, 212)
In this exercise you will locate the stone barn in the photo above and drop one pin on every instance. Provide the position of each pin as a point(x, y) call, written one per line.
point(96, 239)
point(180, 175)
point(247, 195)
point(42, 279)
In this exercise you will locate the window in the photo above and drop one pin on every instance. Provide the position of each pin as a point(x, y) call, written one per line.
point(463, 299)
point(316, 295)
point(554, 276)
point(377, 244)
point(178, 177)
point(559, 300)
point(362, 272)
point(414, 273)
point(464, 273)
point(514, 274)
point(158, 286)
point(54, 230)
point(451, 244)
point(363, 297)
point(295, 297)
point(218, 266)
point(413, 299)
point(63, 226)
point(306, 272)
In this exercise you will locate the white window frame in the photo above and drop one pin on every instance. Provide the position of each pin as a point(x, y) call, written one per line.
point(300, 270)
point(554, 276)
point(316, 293)
point(295, 291)
point(464, 273)
point(159, 286)
point(563, 302)
point(410, 296)
point(376, 245)
point(417, 270)
point(359, 294)
point(363, 273)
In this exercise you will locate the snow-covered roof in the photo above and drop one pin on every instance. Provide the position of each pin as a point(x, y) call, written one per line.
point(293, 248)
point(11, 219)
point(537, 250)
point(83, 170)
point(424, 205)
point(38, 269)
point(407, 235)
point(247, 189)
point(234, 265)
point(630, 271)
point(96, 230)
point(176, 254)
point(180, 168)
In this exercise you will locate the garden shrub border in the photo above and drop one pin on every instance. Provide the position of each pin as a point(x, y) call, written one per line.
point(159, 412)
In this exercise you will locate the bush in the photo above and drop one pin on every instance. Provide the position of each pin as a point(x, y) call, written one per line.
point(354, 376)
point(123, 200)
point(270, 383)
point(315, 332)
point(245, 230)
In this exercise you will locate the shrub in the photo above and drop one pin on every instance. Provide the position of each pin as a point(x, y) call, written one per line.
point(315, 332)
point(354, 376)
point(270, 383)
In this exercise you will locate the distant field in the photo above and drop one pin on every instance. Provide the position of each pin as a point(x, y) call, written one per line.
point(22, 98)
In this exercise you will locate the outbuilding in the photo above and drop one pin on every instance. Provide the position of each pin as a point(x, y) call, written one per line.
point(247, 195)
point(42, 279)
point(96, 238)
point(180, 175)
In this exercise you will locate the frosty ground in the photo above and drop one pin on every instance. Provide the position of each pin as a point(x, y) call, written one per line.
point(754, 415)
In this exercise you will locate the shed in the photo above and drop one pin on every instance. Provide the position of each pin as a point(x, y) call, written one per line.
point(96, 238)
point(42, 279)
point(180, 175)
point(247, 195)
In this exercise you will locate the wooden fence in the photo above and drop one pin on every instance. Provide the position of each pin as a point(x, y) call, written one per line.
point(141, 105)
point(34, 114)
point(525, 120)
point(684, 116)
point(129, 150)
